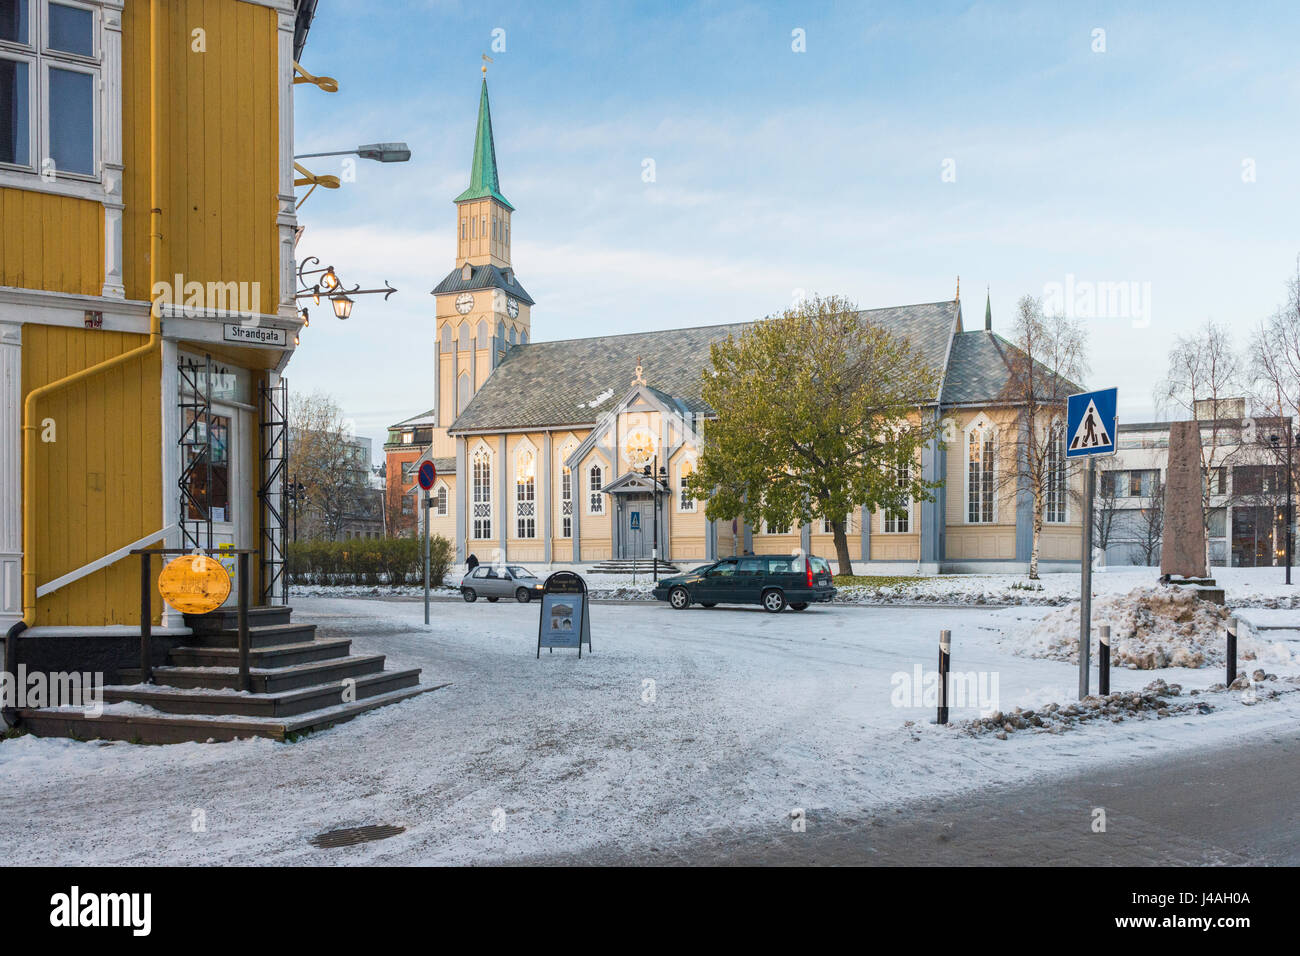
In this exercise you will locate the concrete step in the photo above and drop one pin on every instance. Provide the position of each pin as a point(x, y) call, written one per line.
point(271, 681)
point(264, 635)
point(164, 728)
point(227, 702)
point(227, 618)
point(274, 655)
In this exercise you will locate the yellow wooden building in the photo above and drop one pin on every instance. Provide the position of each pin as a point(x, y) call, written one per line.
point(147, 233)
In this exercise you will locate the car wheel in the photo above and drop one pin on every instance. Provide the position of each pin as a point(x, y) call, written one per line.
point(709, 604)
point(469, 595)
point(800, 606)
point(493, 600)
point(522, 596)
point(679, 598)
point(773, 601)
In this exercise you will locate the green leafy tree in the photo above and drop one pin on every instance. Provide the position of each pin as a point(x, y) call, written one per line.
point(817, 408)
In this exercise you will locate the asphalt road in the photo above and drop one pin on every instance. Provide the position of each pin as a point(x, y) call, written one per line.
point(1237, 806)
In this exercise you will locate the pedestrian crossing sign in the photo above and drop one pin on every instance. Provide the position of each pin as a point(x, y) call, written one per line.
point(1091, 423)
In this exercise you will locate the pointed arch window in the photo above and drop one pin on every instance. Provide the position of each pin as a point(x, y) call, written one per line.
point(1054, 510)
point(900, 521)
point(462, 391)
point(979, 475)
point(595, 494)
point(440, 500)
point(482, 334)
point(525, 493)
point(685, 502)
point(446, 338)
point(566, 492)
point(481, 504)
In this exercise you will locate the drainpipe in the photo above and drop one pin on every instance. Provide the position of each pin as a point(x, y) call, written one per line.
point(30, 425)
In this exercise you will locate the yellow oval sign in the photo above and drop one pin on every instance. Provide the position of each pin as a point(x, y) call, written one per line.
point(194, 584)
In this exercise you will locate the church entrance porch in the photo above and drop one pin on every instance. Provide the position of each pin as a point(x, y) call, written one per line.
point(633, 499)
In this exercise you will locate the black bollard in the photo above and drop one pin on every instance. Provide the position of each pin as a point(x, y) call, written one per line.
point(1232, 650)
point(1103, 660)
point(945, 648)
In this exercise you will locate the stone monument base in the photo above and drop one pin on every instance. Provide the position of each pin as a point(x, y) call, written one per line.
point(1207, 588)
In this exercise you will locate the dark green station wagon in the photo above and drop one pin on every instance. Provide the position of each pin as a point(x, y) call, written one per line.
point(772, 580)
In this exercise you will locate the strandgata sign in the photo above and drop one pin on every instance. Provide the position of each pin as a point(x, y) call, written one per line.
point(255, 334)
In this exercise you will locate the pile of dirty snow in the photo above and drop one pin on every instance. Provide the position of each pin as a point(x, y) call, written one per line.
point(1150, 628)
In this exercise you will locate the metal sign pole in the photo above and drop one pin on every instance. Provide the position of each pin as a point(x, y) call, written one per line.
point(428, 501)
point(1085, 580)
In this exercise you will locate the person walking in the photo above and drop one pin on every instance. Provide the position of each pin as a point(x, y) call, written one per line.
point(471, 564)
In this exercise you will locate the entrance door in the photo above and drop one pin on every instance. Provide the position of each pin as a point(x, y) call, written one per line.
point(227, 494)
point(636, 533)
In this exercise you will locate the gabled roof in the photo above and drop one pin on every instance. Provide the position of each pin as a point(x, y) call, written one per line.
point(483, 277)
point(979, 371)
point(576, 381)
point(424, 418)
point(483, 180)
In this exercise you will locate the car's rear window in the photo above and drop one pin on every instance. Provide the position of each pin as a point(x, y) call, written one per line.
point(820, 565)
point(784, 565)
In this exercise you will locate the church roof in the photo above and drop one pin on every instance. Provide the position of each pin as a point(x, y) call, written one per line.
point(483, 179)
point(979, 371)
point(575, 381)
point(483, 277)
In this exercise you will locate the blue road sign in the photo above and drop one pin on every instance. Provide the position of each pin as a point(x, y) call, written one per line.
point(427, 475)
point(1091, 423)
point(636, 521)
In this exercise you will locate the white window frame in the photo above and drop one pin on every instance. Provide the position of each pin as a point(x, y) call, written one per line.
point(480, 524)
point(984, 428)
point(525, 504)
point(1058, 478)
point(899, 522)
point(825, 527)
point(39, 59)
point(566, 500)
point(595, 496)
point(685, 469)
point(441, 498)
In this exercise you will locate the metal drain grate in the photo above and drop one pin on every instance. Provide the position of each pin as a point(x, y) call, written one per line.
point(354, 835)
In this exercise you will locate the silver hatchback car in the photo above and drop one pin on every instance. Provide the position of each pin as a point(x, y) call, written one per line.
point(495, 583)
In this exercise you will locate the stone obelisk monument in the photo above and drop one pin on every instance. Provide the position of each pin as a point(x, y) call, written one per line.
point(1183, 548)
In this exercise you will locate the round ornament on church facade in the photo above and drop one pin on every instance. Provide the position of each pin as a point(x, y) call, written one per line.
point(639, 446)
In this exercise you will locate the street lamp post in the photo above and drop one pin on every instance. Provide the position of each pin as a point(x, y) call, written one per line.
point(1289, 515)
point(657, 477)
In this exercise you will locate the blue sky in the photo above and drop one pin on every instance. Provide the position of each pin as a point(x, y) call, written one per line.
point(821, 170)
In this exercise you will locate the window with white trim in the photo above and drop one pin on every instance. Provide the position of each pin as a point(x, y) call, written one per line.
point(900, 521)
point(566, 492)
point(595, 496)
point(979, 475)
point(440, 500)
point(684, 500)
point(1054, 497)
point(481, 470)
point(525, 494)
point(50, 61)
point(828, 528)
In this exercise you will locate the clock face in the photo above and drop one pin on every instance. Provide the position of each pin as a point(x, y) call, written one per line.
point(464, 302)
point(512, 306)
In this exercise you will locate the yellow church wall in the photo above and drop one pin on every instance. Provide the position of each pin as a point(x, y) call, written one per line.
point(219, 145)
point(525, 549)
point(445, 525)
point(984, 541)
point(98, 482)
point(49, 242)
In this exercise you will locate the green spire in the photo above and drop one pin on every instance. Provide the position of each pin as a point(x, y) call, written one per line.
point(988, 312)
point(483, 180)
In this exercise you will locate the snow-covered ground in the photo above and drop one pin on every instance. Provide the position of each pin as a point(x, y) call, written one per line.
point(679, 725)
point(1245, 587)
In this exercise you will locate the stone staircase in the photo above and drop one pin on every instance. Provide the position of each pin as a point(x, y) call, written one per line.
point(634, 566)
point(298, 683)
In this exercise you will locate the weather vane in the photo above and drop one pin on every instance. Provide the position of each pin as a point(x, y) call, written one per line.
point(486, 60)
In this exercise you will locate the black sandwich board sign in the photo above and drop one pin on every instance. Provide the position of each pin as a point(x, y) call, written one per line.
point(566, 613)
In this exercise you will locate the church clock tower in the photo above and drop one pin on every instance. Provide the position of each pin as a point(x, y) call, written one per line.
point(482, 310)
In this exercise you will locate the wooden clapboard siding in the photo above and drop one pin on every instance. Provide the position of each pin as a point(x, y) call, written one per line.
point(98, 485)
point(219, 150)
point(49, 242)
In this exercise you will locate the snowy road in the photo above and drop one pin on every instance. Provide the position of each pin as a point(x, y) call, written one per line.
point(752, 715)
